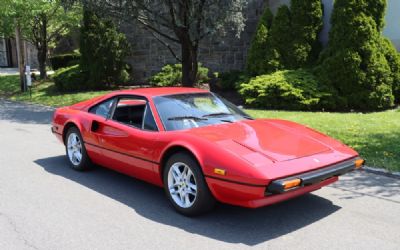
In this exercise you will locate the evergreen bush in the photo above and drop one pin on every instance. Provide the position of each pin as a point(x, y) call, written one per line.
point(231, 80)
point(256, 59)
point(359, 63)
point(292, 40)
point(171, 75)
point(307, 22)
point(287, 89)
point(70, 79)
point(64, 60)
point(103, 51)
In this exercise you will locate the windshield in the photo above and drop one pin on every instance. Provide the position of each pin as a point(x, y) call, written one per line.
point(185, 111)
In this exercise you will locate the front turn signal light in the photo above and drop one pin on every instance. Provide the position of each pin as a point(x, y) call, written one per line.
point(291, 183)
point(359, 163)
point(219, 171)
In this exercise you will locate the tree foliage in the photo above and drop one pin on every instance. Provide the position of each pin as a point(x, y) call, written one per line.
point(359, 64)
point(103, 51)
point(287, 89)
point(280, 41)
point(171, 75)
point(306, 22)
point(258, 48)
point(287, 41)
point(42, 22)
point(182, 23)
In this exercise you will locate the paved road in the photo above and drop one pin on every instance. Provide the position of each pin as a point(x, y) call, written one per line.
point(46, 205)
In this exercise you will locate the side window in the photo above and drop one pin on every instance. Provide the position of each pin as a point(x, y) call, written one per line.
point(130, 111)
point(102, 109)
point(149, 123)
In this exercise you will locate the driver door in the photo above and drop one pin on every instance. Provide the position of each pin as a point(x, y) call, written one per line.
point(127, 138)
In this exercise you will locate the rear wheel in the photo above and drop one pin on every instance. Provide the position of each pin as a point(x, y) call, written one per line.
point(76, 151)
point(185, 185)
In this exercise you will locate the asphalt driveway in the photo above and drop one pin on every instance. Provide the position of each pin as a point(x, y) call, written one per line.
point(46, 205)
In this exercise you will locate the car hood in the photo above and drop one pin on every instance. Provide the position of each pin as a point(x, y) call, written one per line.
point(274, 140)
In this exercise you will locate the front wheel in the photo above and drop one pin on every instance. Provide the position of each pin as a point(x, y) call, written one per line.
point(185, 186)
point(76, 151)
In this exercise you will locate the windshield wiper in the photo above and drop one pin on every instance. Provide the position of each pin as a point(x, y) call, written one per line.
point(217, 114)
point(228, 121)
point(175, 118)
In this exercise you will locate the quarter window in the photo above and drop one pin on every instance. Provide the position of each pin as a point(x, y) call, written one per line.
point(103, 109)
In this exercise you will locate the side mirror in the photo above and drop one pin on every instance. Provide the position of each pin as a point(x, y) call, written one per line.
point(95, 126)
point(240, 106)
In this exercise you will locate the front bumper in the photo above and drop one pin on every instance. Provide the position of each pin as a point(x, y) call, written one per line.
point(312, 177)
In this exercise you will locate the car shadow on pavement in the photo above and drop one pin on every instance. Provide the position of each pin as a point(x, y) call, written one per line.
point(25, 113)
point(226, 223)
point(374, 185)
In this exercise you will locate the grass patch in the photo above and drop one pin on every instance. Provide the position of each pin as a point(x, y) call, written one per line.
point(43, 93)
point(9, 85)
point(376, 136)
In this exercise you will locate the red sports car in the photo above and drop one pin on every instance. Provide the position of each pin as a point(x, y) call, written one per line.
point(200, 147)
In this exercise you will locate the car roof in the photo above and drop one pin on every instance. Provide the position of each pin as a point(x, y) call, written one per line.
point(145, 92)
point(151, 92)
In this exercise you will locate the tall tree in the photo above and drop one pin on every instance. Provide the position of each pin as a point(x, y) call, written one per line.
point(103, 51)
point(12, 19)
point(279, 41)
point(258, 48)
point(182, 23)
point(359, 63)
point(40, 21)
point(293, 40)
point(307, 23)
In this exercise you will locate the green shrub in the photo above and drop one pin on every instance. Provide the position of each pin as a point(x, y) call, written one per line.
point(171, 75)
point(288, 89)
point(393, 58)
point(292, 40)
point(306, 23)
point(64, 60)
point(103, 49)
point(70, 79)
point(231, 80)
point(258, 48)
point(279, 41)
point(358, 63)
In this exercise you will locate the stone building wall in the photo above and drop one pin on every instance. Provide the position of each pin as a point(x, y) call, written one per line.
point(219, 54)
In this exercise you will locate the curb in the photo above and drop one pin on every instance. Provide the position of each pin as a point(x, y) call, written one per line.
point(383, 172)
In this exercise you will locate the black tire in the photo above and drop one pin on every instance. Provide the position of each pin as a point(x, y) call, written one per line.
point(204, 200)
point(85, 162)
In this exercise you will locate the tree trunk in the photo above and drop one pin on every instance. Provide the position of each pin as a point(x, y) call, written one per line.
point(42, 55)
point(42, 48)
point(21, 56)
point(189, 63)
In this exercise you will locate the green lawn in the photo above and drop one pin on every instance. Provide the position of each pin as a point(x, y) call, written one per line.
point(9, 85)
point(42, 93)
point(375, 135)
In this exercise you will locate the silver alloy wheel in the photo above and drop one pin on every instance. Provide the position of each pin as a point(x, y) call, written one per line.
point(182, 185)
point(74, 149)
